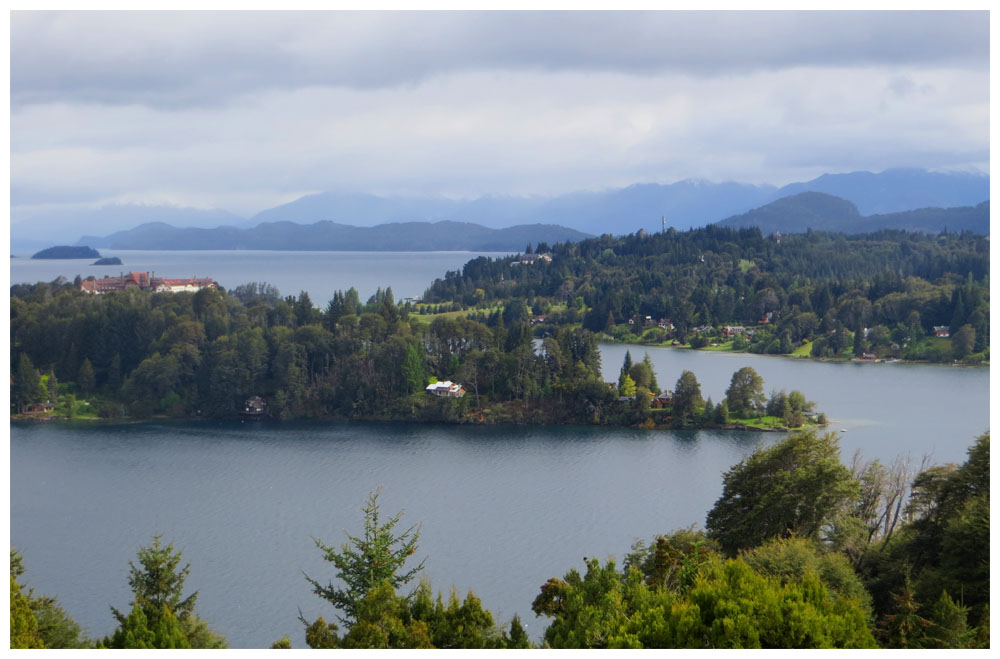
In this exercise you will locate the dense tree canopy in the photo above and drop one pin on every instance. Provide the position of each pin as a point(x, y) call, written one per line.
point(817, 287)
point(795, 487)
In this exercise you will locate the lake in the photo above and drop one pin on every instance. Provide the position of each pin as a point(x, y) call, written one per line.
point(502, 509)
point(318, 273)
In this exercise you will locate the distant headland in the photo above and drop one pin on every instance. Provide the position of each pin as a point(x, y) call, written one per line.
point(68, 252)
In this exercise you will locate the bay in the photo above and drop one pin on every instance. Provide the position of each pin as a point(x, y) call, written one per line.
point(317, 273)
point(502, 508)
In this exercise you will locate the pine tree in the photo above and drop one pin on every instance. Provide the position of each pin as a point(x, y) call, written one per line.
point(949, 625)
point(25, 388)
point(53, 387)
point(516, 638)
point(413, 369)
point(365, 562)
point(85, 379)
point(113, 380)
point(158, 606)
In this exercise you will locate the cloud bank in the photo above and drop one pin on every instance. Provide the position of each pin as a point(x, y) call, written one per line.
point(244, 110)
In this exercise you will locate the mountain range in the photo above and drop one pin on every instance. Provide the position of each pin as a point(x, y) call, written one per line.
point(325, 235)
point(685, 204)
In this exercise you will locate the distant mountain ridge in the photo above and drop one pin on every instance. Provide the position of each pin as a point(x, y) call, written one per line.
point(326, 235)
point(684, 204)
point(824, 212)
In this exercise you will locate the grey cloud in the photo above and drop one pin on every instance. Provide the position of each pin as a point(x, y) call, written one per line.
point(181, 59)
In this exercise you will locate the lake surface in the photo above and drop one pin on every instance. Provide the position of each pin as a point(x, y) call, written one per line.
point(318, 273)
point(503, 509)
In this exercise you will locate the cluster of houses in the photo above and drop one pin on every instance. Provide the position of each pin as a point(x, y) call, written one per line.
point(647, 321)
point(146, 281)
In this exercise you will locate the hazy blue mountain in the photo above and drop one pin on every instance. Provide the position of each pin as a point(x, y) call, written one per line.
point(326, 235)
point(897, 190)
point(40, 230)
point(824, 212)
point(625, 210)
point(685, 204)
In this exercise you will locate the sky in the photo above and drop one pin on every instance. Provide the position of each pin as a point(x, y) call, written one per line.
point(247, 110)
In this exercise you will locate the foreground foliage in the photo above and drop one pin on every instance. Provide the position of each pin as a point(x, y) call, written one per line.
point(161, 617)
point(801, 552)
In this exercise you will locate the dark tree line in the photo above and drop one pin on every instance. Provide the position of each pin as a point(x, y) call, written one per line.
point(139, 353)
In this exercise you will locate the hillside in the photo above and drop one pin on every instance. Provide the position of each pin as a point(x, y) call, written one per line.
point(824, 212)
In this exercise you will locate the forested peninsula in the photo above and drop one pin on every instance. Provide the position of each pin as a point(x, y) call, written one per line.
point(211, 354)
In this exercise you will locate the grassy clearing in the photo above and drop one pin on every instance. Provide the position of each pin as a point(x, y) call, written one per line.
point(804, 350)
point(428, 318)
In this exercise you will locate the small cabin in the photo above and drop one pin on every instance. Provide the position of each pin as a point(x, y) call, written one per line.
point(662, 402)
point(254, 407)
point(942, 331)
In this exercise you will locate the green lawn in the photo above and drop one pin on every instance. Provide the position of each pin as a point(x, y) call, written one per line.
point(804, 350)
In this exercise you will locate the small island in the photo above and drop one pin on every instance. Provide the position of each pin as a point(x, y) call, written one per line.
point(108, 260)
point(68, 252)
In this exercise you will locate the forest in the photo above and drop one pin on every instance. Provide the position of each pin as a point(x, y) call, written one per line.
point(139, 354)
point(886, 294)
point(824, 556)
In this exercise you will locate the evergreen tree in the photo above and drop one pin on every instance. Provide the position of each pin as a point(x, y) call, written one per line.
point(85, 379)
point(366, 561)
point(859, 341)
point(26, 386)
point(158, 606)
point(948, 625)
point(52, 385)
point(413, 369)
point(113, 379)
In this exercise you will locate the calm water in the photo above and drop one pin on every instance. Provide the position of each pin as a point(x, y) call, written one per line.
point(318, 273)
point(503, 509)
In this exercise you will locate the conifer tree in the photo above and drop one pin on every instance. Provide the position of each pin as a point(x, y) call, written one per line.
point(158, 606)
point(365, 562)
point(85, 378)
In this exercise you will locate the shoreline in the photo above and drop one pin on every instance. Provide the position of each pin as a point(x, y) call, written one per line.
point(604, 339)
point(738, 427)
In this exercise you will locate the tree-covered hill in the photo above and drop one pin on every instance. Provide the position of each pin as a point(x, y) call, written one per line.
point(823, 212)
point(801, 287)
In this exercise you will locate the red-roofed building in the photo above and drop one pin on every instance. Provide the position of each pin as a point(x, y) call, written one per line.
point(145, 281)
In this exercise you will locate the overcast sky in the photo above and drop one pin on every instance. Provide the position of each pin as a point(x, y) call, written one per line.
point(244, 111)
